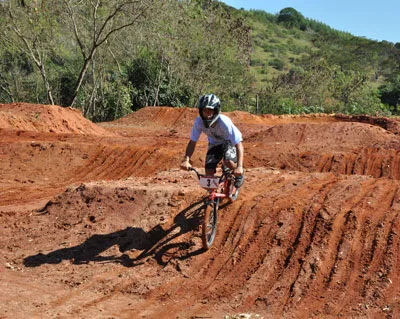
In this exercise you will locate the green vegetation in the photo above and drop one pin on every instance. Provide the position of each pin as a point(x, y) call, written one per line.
point(109, 58)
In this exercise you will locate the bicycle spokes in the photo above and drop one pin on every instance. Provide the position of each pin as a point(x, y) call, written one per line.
point(209, 227)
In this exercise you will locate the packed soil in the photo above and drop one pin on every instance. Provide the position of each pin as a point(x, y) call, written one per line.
point(98, 221)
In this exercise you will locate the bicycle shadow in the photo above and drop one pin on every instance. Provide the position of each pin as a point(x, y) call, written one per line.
point(155, 243)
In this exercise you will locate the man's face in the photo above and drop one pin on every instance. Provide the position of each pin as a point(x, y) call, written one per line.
point(208, 113)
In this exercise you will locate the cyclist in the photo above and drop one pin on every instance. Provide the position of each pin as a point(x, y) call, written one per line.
point(224, 138)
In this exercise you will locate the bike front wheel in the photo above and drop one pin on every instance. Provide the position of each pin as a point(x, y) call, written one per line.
point(209, 225)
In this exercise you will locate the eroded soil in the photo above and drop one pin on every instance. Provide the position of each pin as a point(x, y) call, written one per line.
point(97, 221)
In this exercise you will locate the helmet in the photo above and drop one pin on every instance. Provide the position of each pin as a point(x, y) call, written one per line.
point(209, 101)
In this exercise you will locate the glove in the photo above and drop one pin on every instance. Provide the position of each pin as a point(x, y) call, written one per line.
point(185, 165)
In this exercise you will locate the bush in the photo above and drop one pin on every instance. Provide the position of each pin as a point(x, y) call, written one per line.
point(153, 84)
point(277, 64)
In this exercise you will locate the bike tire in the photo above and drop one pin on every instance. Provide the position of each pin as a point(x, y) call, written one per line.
point(209, 223)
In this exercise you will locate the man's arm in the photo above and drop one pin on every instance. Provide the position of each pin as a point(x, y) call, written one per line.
point(188, 154)
point(239, 152)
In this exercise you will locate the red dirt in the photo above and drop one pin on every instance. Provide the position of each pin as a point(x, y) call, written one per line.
point(97, 221)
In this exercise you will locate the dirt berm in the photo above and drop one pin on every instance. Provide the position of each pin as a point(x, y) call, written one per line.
point(97, 221)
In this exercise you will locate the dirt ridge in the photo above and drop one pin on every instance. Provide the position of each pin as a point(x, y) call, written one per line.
point(108, 226)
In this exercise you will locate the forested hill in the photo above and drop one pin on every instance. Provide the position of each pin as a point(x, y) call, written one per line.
point(109, 58)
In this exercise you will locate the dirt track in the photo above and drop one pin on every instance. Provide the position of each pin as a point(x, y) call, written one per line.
point(98, 222)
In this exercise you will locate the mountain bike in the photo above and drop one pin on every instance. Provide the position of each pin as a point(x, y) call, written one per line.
point(219, 188)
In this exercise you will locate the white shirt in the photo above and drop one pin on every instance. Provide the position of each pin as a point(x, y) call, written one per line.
point(224, 130)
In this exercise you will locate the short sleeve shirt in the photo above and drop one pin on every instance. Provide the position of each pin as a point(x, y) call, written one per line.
point(224, 130)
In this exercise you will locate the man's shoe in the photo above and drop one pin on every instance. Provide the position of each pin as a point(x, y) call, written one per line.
point(239, 181)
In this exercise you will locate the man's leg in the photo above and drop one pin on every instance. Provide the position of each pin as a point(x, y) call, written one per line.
point(213, 157)
point(230, 157)
point(230, 161)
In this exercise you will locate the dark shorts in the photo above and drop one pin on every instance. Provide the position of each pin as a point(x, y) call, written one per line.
point(216, 153)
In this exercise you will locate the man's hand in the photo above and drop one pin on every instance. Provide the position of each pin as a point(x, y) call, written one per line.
point(188, 153)
point(185, 165)
point(238, 171)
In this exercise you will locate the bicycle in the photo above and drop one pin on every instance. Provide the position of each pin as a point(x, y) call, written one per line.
point(219, 188)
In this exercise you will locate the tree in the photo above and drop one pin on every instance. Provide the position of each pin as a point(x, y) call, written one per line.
point(154, 83)
point(33, 26)
point(390, 92)
point(291, 18)
point(320, 88)
point(192, 47)
point(212, 49)
point(94, 22)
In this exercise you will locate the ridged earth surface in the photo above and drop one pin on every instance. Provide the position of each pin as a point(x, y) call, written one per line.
point(97, 220)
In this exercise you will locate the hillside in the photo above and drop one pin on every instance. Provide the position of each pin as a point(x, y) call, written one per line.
point(282, 46)
point(99, 222)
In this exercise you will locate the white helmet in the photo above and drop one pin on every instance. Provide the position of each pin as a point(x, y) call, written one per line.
point(209, 101)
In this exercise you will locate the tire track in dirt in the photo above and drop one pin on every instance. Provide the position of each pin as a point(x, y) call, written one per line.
point(303, 128)
point(120, 161)
point(345, 257)
point(237, 256)
point(288, 235)
point(381, 264)
point(369, 161)
point(304, 245)
point(376, 162)
point(105, 290)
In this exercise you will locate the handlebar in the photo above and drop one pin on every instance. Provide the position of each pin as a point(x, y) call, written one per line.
point(199, 175)
point(195, 170)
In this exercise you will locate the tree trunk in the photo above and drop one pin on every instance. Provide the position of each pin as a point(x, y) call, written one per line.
point(47, 84)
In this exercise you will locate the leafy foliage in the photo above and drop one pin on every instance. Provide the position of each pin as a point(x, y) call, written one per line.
point(153, 84)
point(291, 18)
point(390, 92)
point(321, 88)
point(109, 58)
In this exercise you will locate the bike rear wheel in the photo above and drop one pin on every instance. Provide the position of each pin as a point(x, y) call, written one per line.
point(209, 225)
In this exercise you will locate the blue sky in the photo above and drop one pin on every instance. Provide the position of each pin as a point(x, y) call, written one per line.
point(373, 19)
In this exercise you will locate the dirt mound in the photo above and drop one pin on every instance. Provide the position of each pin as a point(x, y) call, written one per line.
point(106, 225)
point(390, 124)
point(46, 118)
point(160, 117)
point(340, 135)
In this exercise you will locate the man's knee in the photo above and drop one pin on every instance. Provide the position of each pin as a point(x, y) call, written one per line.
point(230, 164)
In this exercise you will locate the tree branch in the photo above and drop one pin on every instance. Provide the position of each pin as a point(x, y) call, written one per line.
point(75, 27)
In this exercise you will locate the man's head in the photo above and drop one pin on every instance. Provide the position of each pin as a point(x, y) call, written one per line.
point(209, 109)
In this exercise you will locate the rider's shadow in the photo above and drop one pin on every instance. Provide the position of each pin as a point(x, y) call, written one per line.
point(154, 243)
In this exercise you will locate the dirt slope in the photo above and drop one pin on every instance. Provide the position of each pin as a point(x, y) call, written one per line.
point(98, 222)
